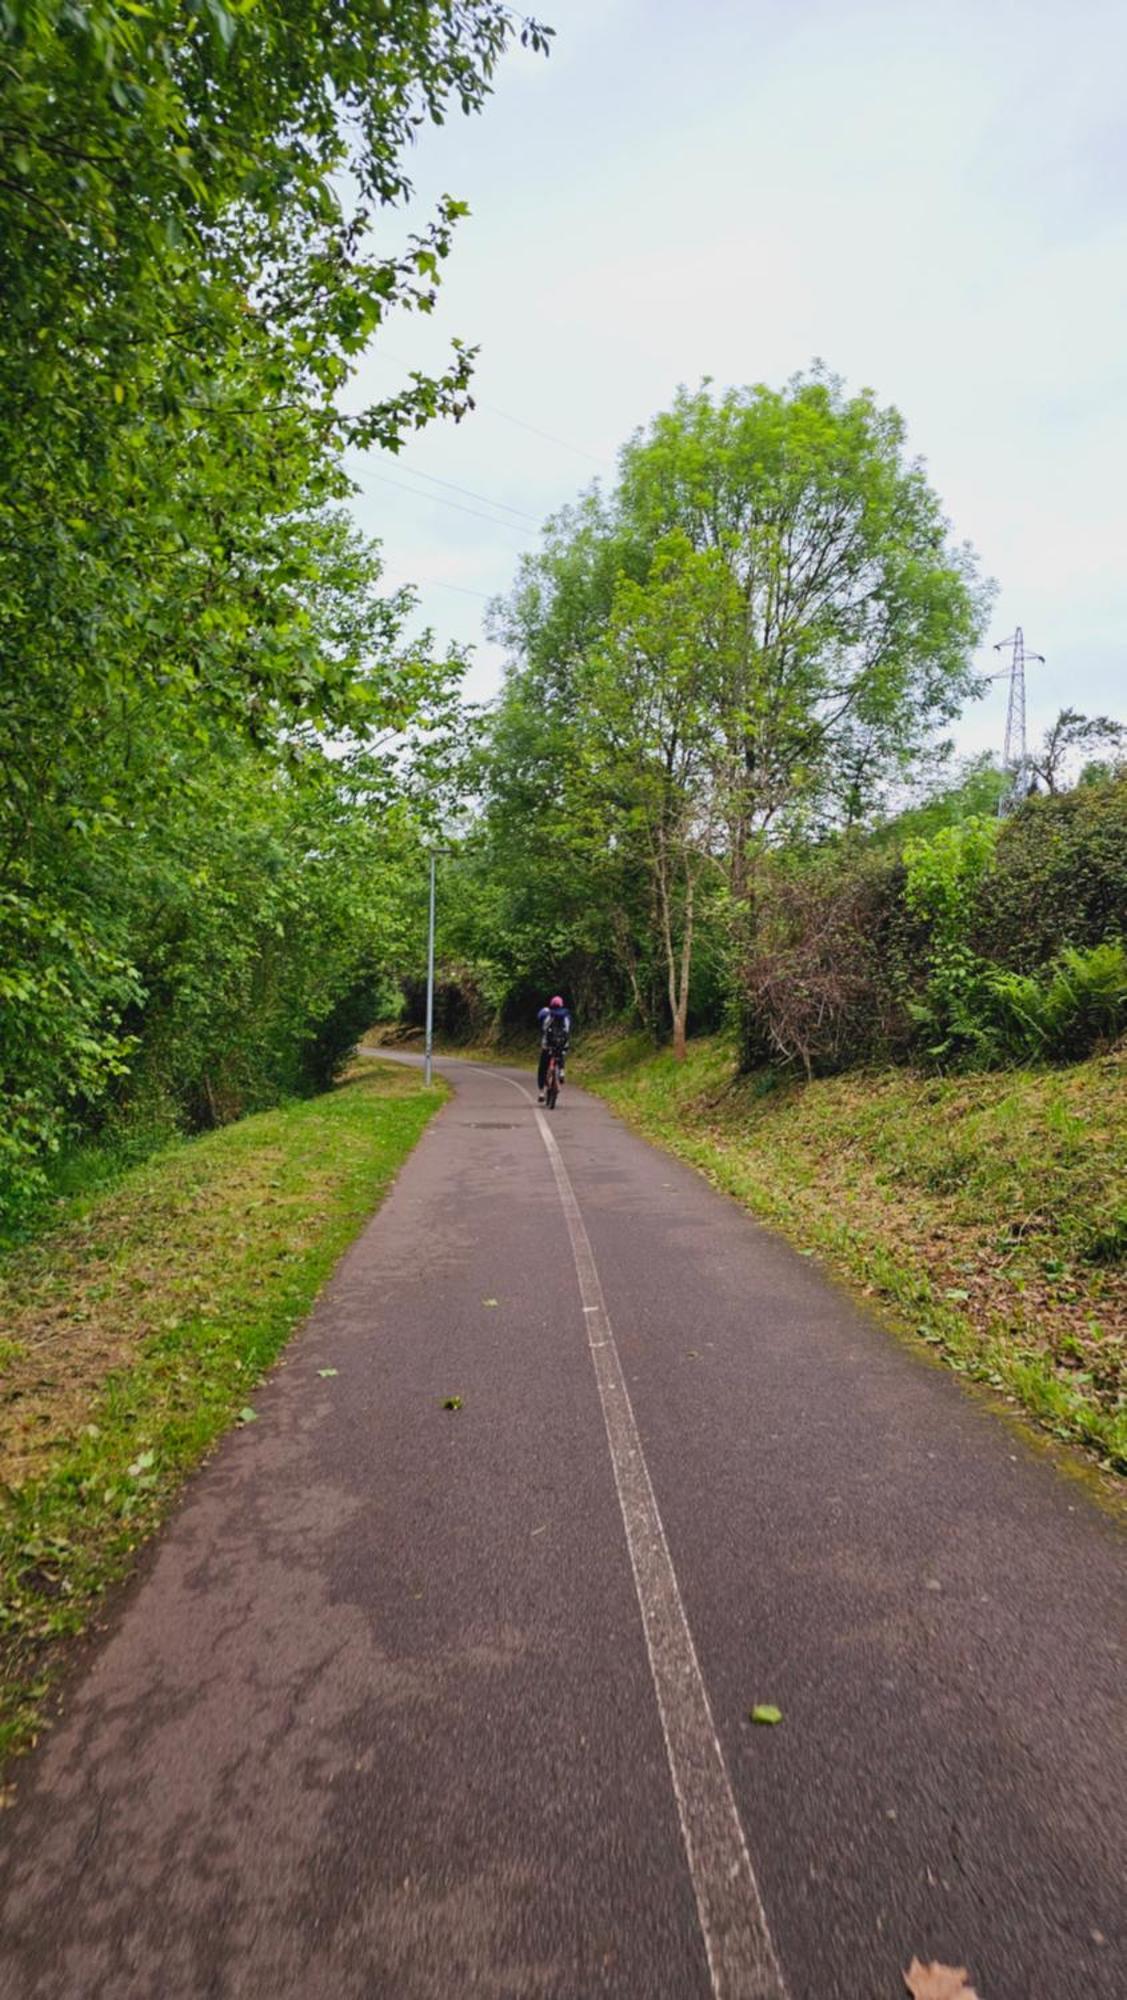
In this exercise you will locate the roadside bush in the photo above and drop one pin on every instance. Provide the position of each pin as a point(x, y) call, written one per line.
point(332, 1040)
point(461, 1010)
point(942, 877)
point(1060, 878)
point(63, 994)
point(214, 963)
point(1025, 957)
point(823, 981)
point(997, 941)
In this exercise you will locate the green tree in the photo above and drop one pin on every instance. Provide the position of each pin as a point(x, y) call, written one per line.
point(977, 786)
point(651, 695)
point(1073, 734)
point(834, 636)
point(186, 907)
point(564, 907)
point(190, 187)
point(194, 249)
point(189, 267)
point(859, 613)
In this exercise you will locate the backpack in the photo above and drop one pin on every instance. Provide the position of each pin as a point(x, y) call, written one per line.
point(555, 1033)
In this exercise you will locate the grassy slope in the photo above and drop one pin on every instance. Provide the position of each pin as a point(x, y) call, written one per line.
point(135, 1331)
point(988, 1211)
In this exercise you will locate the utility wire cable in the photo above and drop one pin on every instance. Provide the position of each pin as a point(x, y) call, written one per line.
point(471, 494)
point(436, 500)
point(421, 583)
point(580, 451)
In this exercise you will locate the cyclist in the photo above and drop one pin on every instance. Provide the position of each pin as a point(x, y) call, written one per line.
point(555, 1039)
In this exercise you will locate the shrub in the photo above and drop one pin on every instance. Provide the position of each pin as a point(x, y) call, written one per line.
point(996, 942)
point(943, 876)
point(63, 995)
point(823, 980)
point(334, 1038)
point(1060, 878)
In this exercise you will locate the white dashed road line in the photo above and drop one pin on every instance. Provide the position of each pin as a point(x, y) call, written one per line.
point(741, 1956)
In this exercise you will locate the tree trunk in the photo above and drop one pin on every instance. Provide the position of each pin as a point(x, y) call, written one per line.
point(753, 1049)
point(628, 959)
point(678, 964)
point(681, 998)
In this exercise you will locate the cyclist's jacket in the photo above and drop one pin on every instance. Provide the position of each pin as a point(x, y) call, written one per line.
point(555, 1029)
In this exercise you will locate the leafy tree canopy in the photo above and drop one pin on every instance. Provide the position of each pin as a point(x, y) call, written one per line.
point(1073, 736)
point(859, 611)
point(195, 246)
point(755, 635)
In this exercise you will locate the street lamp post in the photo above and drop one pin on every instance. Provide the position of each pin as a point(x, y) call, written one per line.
point(430, 977)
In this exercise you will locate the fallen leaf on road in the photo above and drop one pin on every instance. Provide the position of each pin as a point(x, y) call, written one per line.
point(247, 1415)
point(452, 1403)
point(765, 1711)
point(938, 1982)
point(489, 1302)
point(322, 1372)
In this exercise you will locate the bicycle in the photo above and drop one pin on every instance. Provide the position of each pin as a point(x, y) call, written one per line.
point(552, 1081)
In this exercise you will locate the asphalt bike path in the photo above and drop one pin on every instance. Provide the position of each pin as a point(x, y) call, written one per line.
point(410, 1702)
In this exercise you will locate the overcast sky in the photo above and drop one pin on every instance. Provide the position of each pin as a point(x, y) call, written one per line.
point(931, 198)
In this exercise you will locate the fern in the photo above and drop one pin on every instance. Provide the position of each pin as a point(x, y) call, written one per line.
point(1064, 1015)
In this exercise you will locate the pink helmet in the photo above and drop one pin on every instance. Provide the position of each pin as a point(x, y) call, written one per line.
point(555, 1001)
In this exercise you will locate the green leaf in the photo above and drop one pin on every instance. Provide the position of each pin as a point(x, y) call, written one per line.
point(452, 1403)
point(247, 1415)
point(325, 1372)
point(765, 1711)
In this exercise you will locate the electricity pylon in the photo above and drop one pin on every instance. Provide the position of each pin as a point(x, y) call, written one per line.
point(1015, 758)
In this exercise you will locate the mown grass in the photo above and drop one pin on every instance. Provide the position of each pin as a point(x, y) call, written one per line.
point(135, 1331)
point(989, 1212)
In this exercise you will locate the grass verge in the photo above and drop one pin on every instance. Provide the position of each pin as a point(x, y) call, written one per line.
point(986, 1212)
point(135, 1331)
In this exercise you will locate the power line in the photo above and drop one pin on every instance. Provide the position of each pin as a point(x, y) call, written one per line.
point(548, 437)
point(437, 500)
point(580, 451)
point(470, 493)
point(437, 583)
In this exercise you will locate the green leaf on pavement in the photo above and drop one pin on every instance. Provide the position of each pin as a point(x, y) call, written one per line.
point(452, 1403)
point(324, 1372)
point(765, 1711)
point(247, 1415)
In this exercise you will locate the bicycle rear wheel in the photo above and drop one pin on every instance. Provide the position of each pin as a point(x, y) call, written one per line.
point(551, 1088)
